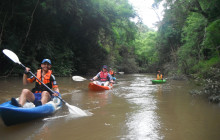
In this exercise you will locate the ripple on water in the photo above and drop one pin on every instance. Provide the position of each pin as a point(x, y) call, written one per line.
point(142, 123)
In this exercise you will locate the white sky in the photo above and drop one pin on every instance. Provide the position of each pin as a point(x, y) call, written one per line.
point(145, 11)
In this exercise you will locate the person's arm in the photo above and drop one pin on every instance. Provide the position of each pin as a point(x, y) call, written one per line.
point(110, 78)
point(57, 91)
point(55, 86)
point(25, 77)
point(95, 77)
point(25, 81)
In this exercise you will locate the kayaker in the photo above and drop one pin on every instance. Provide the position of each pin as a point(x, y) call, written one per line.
point(159, 75)
point(111, 72)
point(103, 77)
point(39, 94)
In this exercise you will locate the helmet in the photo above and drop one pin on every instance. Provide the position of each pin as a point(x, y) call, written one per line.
point(104, 67)
point(46, 60)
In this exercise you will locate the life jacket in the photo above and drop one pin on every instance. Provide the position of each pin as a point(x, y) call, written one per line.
point(104, 76)
point(111, 72)
point(39, 87)
point(159, 76)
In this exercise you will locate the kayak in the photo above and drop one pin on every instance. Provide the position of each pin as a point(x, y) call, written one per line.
point(158, 81)
point(96, 87)
point(13, 115)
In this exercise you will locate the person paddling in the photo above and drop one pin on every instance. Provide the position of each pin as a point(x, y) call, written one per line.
point(111, 72)
point(159, 75)
point(39, 94)
point(103, 77)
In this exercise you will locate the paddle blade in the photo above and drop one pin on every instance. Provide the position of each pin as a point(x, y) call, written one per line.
point(11, 55)
point(75, 110)
point(78, 78)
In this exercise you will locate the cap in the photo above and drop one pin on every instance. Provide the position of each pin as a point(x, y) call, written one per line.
point(46, 60)
point(105, 67)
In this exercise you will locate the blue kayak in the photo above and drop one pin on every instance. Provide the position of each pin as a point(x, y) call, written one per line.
point(12, 114)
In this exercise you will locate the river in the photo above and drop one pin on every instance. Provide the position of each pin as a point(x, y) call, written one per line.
point(135, 109)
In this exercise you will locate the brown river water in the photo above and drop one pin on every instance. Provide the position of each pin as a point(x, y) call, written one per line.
point(134, 109)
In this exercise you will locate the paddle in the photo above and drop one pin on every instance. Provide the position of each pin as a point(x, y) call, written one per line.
point(72, 109)
point(78, 78)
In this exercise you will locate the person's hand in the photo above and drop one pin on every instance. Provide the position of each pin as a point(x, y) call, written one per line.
point(26, 71)
point(56, 93)
point(92, 80)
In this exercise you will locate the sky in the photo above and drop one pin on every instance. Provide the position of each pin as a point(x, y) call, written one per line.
point(145, 11)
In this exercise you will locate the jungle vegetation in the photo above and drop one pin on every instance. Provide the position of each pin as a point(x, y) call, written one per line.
point(79, 36)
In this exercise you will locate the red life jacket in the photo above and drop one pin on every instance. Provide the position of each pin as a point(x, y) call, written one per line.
point(104, 76)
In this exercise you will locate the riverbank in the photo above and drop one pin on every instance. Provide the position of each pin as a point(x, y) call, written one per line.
point(207, 79)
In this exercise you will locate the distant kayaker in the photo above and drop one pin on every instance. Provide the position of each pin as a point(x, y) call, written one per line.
point(39, 94)
point(112, 72)
point(103, 77)
point(159, 75)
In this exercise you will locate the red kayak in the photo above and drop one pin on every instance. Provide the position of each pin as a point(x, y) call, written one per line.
point(96, 87)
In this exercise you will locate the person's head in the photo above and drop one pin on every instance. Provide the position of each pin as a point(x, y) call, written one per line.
point(104, 68)
point(158, 71)
point(46, 64)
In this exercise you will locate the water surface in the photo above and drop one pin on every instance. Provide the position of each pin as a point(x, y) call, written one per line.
point(134, 110)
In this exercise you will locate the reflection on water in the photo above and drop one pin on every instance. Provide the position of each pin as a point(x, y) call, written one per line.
point(134, 109)
point(142, 121)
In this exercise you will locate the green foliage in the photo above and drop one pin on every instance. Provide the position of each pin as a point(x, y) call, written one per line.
point(77, 35)
point(170, 30)
point(189, 36)
point(126, 60)
point(192, 36)
point(188, 33)
point(203, 67)
point(145, 50)
point(212, 42)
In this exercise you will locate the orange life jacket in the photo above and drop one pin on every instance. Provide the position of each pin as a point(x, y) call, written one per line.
point(104, 76)
point(46, 76)
point(159, 76)
point(111, 72)
point(39, 87)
